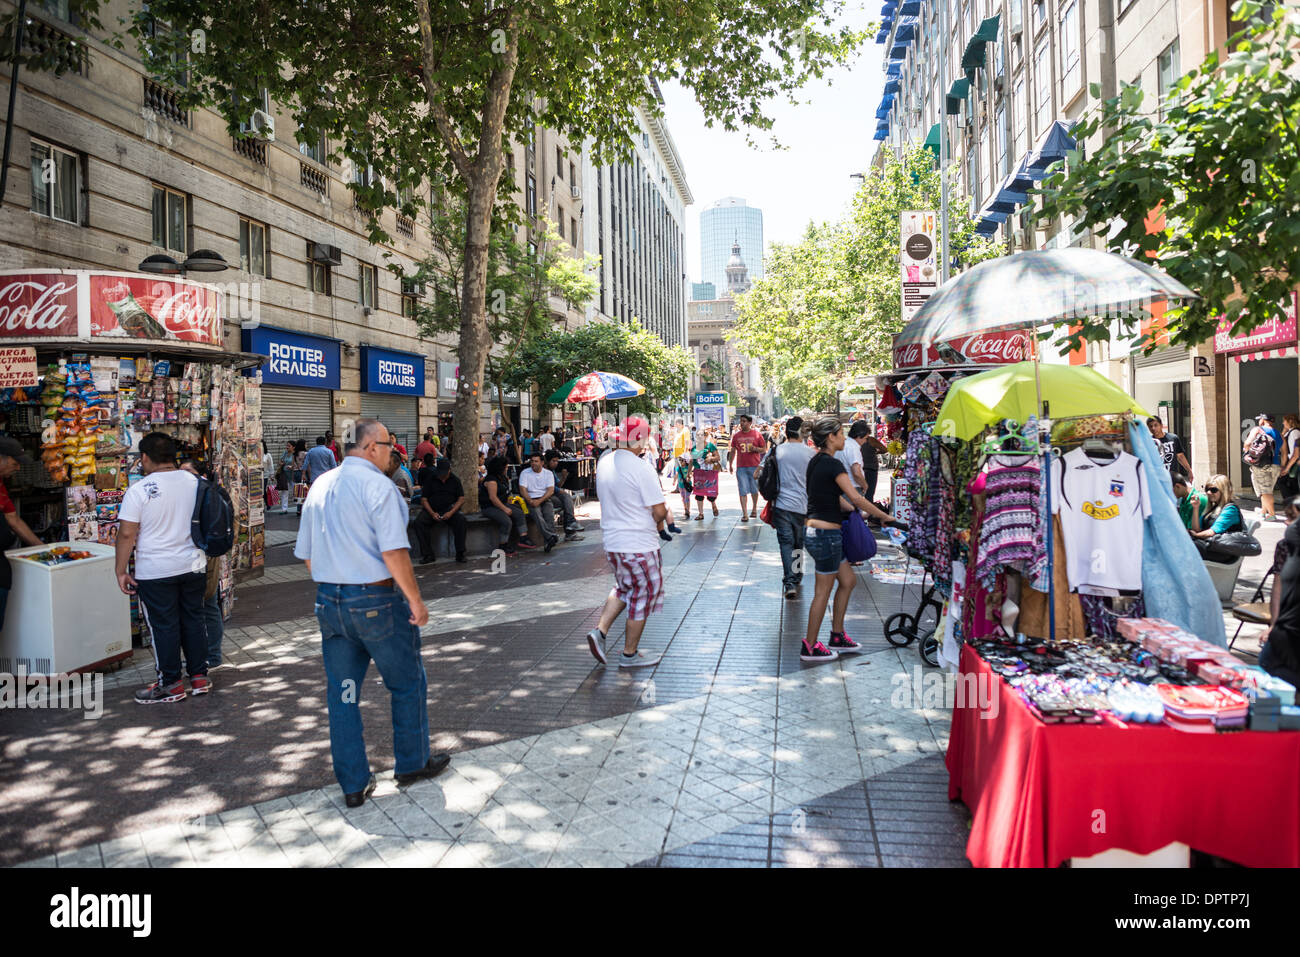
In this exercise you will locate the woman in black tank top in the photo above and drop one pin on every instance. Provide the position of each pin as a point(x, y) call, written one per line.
point(827, 484)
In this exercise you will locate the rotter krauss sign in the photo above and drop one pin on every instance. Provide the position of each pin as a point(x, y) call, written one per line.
point(385, 370)
point(295, 359)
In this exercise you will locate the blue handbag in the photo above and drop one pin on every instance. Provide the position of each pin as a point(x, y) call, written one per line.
point(859, 543)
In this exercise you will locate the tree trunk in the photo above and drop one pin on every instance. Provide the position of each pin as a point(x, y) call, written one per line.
point(474, 340)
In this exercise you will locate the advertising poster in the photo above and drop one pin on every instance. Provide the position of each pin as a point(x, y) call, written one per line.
point(918, 259)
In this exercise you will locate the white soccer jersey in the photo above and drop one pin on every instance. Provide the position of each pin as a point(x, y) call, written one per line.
point(1102, 506)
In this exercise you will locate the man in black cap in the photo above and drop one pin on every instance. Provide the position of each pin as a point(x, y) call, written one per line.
point(15, 529)
point(441, 502)
point(12, 456)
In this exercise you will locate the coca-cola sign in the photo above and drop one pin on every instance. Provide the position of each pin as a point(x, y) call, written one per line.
point(983, 349)
point(142, 307)
point(38, 304)
point(81, 304)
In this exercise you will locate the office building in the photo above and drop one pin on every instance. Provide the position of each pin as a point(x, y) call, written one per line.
point(728, 221)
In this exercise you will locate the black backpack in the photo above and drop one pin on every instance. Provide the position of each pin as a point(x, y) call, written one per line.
point(212, 526)
point(1260, 450)
point(769, 477)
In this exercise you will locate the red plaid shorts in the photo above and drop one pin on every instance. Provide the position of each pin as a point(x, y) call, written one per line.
point(638, 581)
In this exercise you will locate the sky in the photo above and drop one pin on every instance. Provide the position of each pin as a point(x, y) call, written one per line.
point(827, 137)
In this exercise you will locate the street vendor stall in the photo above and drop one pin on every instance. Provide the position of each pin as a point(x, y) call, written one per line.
point(1098, 708)
point(106, 359)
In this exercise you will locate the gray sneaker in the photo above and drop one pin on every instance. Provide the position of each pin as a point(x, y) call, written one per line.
point(638, 660)
point(596, 642)
point(573, 537)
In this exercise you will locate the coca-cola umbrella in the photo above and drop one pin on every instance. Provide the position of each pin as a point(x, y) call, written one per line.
point(1028, 290)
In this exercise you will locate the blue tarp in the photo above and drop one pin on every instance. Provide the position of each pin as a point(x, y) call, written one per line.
point(1175, 584)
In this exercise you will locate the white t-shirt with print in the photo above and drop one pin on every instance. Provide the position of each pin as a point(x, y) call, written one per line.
point(535, 484)
point(851, 455)
point(1102, 506)
point(163, 504)
point(628, 487)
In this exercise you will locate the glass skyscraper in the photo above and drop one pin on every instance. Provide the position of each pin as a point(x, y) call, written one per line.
point(728, 220)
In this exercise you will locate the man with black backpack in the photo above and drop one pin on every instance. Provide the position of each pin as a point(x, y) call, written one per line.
point(790, 506)
point(157, 523)
point(1261, 452)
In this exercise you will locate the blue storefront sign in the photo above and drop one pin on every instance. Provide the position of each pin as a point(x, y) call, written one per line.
point(294, 358)
point(710, 398)
point(385, 370)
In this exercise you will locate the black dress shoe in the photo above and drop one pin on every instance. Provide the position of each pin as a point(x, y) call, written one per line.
point(427, 561)
point(358, 798)
point(461, 558)
point(437, 764)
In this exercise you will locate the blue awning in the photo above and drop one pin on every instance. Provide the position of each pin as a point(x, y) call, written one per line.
point(883, 35)
point(885, 108)
point(881, 135)
point(898, 53)
point(910, 8)
point(1052, 147)
point(889, 7)
point(891, 87)
point(986, 227)
point(1010, 194)
point(894, 68)
point(906, 33)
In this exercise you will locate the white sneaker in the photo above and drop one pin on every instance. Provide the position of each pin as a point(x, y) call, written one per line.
point(638, 660)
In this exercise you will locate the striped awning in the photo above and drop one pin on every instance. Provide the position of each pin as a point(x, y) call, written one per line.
point(1286, 352)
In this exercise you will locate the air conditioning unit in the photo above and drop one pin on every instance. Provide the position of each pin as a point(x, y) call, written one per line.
point(323, 253)
point(261, 126)
point(1018, 239)
point(575, 192)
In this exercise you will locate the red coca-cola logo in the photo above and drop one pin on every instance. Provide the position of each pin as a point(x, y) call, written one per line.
point(38, 305)
point(1007, 347)
point(907, 356)
point(177, 309)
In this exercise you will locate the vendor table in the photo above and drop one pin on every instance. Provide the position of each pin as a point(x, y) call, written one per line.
point(1040, 794)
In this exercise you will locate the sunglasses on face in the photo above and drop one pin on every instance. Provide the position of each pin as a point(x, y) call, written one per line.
point(1211, 490)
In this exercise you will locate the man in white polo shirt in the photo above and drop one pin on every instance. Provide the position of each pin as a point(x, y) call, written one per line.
point(537, 486)
point(631, 508)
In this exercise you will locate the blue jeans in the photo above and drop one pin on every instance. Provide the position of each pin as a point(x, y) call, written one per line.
point(790, 535)
point(215, 627)
point(359, 623)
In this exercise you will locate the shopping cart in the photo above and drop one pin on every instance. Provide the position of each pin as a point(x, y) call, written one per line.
point(922, 626)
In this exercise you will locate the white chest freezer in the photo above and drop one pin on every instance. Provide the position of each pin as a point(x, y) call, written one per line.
point(66, 617)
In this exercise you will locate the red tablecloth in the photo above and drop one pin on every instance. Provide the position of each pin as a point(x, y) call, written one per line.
point(1040, 794)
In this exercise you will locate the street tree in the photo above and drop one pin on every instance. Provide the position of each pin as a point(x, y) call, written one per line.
point(837, 291)
point(524, 275)
point(1203, 184)
point(441, 90)
point(629, 349)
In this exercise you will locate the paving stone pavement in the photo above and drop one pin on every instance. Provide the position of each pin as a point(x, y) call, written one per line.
point(556, 762)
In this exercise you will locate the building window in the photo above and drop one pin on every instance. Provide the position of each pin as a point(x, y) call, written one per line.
point(1040, 13)
point(177, 58)
point(313, 145)
point(56, 183)
point(1021, 108)
point(573, 175)
point(363, 174)
point(170, 218)
point(253, 252)
point(318, 273)
point(366, 287)
point(1071, 71)
point(573, 232)
point(55, 8)
point(559, 163)
point(1042, 87)
point(1170, 71)
point(1002, 141)
point(531, 195)
point(411, 293)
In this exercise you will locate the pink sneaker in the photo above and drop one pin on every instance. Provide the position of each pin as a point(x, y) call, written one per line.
point(842, 644)
point(818, 652)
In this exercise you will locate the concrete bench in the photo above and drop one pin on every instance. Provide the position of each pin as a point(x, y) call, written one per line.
point(480, 537)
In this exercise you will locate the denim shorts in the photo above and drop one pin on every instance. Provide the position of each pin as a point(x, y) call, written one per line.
point(826, 546)
point(747, 480)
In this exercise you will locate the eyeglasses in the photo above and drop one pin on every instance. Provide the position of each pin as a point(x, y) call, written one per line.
point(389, 444)
point(1211, 490)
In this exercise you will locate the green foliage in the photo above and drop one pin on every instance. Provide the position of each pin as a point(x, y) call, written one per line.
point(1223, 165)
point(555, 357)
point(838, 289)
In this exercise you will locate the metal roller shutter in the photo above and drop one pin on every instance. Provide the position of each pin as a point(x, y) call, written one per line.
point(290, 414)
point(399, 412)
